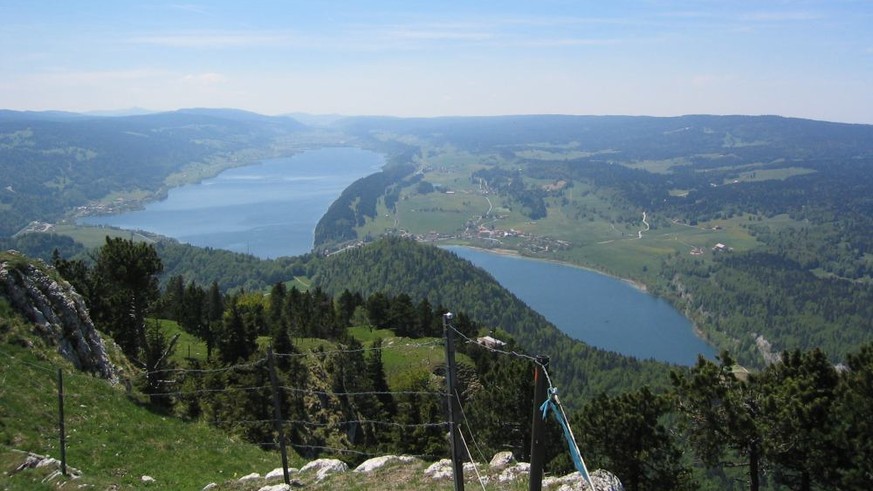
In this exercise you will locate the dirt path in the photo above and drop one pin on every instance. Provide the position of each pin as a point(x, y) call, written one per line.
point(640, 233)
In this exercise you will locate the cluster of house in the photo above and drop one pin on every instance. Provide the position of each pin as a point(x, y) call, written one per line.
point(719, 247)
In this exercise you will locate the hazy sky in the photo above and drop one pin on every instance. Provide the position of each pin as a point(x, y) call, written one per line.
point(811, 59)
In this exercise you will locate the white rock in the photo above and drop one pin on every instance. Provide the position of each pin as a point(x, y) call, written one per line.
point(147, 479)
point(279, 473)
point(209, 486)
point(371, 465)
point(606, 481)
point(441, 469)
point(325, 467)
point(501, 460)
point(249, 477)
point(511, 473)
point(603, 481)
point(276, 487)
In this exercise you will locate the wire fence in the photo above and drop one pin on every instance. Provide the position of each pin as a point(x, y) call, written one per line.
point(7, 360)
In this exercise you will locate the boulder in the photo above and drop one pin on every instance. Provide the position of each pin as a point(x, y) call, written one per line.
point(603, 481)
point(249, 477)
point(325, 467)
point(279, 473)
point(276, 487)
point(439, 470)
point(371, 465)
point(512, 473)
point(501, 460)
point(35, 461)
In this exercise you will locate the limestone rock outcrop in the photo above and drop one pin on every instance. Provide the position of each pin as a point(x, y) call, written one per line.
point(58, 313)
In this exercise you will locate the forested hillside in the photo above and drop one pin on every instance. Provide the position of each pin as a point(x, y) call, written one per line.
point(758, 228)
point(51, 163)
point(399, 266)
point(358, 375)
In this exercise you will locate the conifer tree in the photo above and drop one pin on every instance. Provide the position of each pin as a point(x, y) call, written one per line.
point(171, 300)
point(376, 373)
point(276, 313)
point(722, 414)
point(800, 392)
point(626, 434)
point(852, 424)
point(192, 310)
point(123, 287)
point(236, 342)
point(214, 315)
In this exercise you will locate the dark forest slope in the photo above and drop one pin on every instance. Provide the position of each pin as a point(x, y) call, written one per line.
point(394, 266)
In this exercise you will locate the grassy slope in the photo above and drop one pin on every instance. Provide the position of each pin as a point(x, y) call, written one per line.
point(112, 437)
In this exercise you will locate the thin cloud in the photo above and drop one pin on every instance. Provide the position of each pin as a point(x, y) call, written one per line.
point(780, 16)
point(101, 76)
point(224, 39)
point(204, 79)
point(437, 35)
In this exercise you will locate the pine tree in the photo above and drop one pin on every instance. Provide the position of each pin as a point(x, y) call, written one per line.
point(158, 366)
point(800, 393)
point(124, 286)
point(626, 434)
point(276, 314)
point(171, 300)
point(853, 426)
point(236, 342)
point(192, 310)
point(722, 414)
point(376, 373)
point(214, 316)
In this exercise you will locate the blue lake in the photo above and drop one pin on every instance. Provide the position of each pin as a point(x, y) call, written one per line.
point(269, 209)
point(598, 309)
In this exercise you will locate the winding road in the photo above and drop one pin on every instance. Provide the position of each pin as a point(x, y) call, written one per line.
point(640, 233)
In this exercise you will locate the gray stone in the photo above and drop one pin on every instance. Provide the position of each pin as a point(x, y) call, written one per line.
point(249, 477)
point(371, 465)
point(439, 470)
point(603, 481)
point(512, 473)
point(501, 460)
point(325, 467)
point(279, 473)
point(276, 487)
point(59, 316)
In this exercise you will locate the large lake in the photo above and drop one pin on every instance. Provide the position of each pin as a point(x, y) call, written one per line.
point(269, 209)
point(601, 310)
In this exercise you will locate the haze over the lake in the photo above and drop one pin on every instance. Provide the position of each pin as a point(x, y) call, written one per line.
point(810, 59)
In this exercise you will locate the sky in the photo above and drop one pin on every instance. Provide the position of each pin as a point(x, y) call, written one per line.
point(809, 59)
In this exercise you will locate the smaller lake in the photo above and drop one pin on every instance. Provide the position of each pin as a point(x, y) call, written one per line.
point(595, 308)
point(268, 209)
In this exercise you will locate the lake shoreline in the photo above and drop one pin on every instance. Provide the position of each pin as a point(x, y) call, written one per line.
point(512, 252)
point(597, 308)
point(268, 208)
